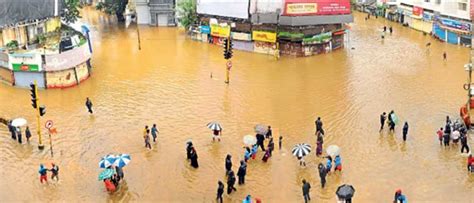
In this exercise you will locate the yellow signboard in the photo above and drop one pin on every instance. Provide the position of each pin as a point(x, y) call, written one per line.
point(220, 31)
point(301, 8)
point(264, 36)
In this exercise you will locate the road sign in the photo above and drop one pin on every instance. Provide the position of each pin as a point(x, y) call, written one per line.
point(48, 124)
point(229, 64)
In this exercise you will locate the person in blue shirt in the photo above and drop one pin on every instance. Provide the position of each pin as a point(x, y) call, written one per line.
point(337, 163)
point(399, 197)
point(329, 163)
point(154, 132)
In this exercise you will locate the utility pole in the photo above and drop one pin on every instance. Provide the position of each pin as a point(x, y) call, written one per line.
point(138, 34)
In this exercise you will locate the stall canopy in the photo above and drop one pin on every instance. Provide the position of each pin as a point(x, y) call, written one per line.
point(17, 11)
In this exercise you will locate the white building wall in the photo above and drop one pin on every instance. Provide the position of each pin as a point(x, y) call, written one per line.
point(445, 7)
point(143, 11)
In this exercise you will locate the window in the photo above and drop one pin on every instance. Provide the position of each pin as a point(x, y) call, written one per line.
point(438, 1)
point(462, 6)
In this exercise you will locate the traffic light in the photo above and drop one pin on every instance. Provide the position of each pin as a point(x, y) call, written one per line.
point(34, 97)
point(224, 45)
point(42, 110)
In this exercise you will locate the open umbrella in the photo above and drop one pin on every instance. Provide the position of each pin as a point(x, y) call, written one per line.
point(333, 150)
point(261, 129)
point(122, 160)
point(214, 126)
point(394, 118)
point(107, 161)
point(18, 122)
point(345, 192)
point(250, 140)
point(107, 173)
point(301, 150)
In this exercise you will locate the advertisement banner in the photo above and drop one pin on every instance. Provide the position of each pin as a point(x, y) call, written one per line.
point(427, 16)
point(205, 29)
point(25, 62)
point(220, 31)
point(455, 24)
point(241, 36)
point(316, 7)
point(227, 8)
point(264, 48)
point(67, 59)
point(264, 36)
point(417, 11)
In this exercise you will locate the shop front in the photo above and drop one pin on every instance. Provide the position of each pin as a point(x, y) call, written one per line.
point(291, 43)
point(265, 42)
point(219, 32)
point(205, 31)
point(242, 41)
point(317, 44)
point(452, 31)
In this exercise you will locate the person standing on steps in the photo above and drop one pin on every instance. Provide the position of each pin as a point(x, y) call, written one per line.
point(89, 105)
point(405, 131)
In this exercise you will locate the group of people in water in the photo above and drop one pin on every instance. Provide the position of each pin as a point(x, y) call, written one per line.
point(455, 133)
point(43, 172)
point(16, 133)
point(146, 135)
point(112, 183)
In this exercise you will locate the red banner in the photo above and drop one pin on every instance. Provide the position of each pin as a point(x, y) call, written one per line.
point(316, 7)
point(417, 11)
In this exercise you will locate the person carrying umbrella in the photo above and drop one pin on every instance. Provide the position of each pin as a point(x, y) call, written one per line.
point(242, 172)
point(228, 164)
point(247, 154)
point(19, 136)
point(322, 174)
point(216, 130)
point(260, 141)
point(301, 150)
point(12, 130)
point(345, 193)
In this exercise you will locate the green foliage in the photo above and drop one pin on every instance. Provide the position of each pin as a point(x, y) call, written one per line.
point(71, 11)
point(108, 6)
point(187, 13)
point(12, 45)
point(41, 39)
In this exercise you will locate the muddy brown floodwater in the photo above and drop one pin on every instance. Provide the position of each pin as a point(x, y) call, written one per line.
point(168, 83)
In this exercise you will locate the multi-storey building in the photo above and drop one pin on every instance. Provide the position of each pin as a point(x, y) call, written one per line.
point(156, 12)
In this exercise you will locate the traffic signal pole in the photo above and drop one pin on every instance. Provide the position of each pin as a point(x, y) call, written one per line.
point(38, 118)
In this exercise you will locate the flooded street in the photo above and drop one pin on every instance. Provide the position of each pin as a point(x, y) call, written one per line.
point(168, 83)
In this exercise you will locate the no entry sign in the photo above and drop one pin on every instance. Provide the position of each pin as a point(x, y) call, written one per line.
point(48, 124)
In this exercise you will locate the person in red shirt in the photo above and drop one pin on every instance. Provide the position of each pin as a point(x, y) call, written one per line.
point(109, 185)
point(470, 163)
point(440, 136)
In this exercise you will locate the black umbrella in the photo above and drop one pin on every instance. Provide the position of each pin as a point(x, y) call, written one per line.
point(345, 191)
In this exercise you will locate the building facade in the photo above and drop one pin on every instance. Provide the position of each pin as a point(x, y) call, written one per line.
point(277, 27)
point(156, 12)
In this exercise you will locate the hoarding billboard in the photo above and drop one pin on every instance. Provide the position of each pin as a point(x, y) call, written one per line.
point(316, 7)
point(226, 8)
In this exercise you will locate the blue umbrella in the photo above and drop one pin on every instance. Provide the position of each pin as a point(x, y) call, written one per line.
point(122, 160)
point(107, 161)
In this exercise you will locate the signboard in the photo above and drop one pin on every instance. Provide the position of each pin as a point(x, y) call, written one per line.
point(220, 31)
point(25, 62)
point(48, 124)
point(316, 7)
point(455, 24)
point(241, 36)
point(427, 16)
point(263, 36)
point(3, 60)
point(205, 29)
point(471, 11)
point(417, 11)
point(227, 8)
point(301, 8)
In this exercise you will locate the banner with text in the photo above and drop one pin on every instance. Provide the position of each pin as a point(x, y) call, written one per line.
point(263, 36)
point(316, 7)
point(220, 31)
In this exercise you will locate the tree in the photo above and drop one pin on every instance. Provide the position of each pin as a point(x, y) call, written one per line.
point(111, 7)
point(71, 13)
point(187, 13)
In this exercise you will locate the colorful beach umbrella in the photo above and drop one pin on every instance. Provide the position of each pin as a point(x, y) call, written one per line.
point(122, 160)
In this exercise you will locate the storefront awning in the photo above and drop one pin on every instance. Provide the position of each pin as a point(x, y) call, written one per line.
point(315, 20)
